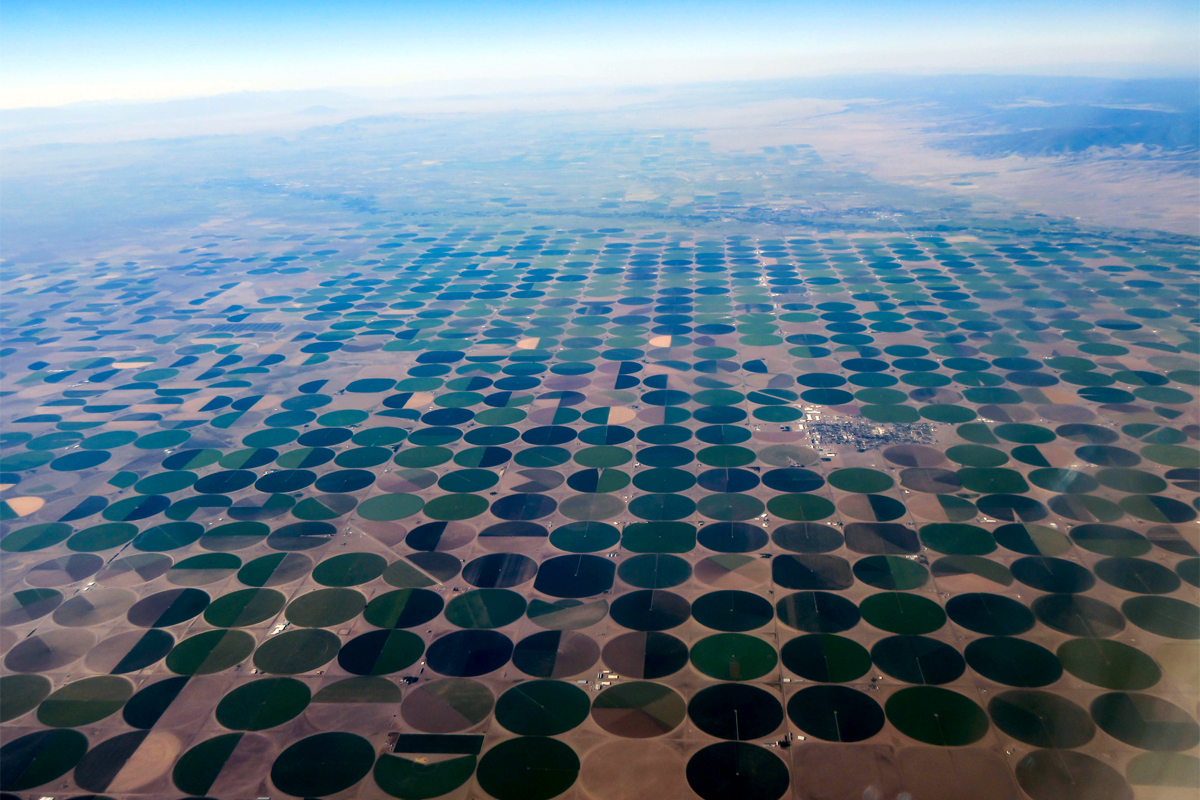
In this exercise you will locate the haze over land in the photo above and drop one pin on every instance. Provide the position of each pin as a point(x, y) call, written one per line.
point(1100, 152)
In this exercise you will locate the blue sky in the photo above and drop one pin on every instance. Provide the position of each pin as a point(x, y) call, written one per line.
point(63, 51)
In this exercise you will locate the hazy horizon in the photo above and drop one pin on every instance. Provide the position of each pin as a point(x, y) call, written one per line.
point(63, 52)
point(538, 85)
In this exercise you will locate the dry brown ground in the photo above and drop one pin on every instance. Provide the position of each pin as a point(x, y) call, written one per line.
point(1117, 189)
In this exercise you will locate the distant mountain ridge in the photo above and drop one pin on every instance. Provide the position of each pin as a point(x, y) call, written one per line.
point(1064, 130)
